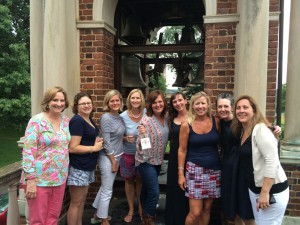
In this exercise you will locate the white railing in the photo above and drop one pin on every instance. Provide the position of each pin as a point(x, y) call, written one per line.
point(9, 181)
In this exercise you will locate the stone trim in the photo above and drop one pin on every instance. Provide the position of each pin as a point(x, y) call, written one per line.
point(95, 25)
point(229, 18)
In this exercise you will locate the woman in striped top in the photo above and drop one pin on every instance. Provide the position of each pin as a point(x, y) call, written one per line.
point(112, 130)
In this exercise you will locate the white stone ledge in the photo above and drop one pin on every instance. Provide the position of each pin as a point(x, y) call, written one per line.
point(290, 220)
point(231, 18)
point(95, 24)
point(222, 18)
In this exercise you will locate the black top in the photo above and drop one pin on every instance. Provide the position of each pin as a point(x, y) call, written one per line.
point(177, 205)
point(230, 156)
point(79, 127)
point(245, 175)
point(246, 154)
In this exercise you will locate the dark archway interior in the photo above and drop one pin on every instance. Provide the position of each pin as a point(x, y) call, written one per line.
point(137, 22)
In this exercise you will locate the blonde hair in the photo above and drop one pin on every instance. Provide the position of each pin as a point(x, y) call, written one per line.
point(257, 116)
point(108, 96)
point(50, 94)
point(128, 104)
point(191, 112)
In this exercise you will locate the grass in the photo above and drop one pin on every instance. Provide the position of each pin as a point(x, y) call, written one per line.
point(9, 150)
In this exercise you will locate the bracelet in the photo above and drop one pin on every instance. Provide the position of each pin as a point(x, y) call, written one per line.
point(91, 151)
point(180, 168)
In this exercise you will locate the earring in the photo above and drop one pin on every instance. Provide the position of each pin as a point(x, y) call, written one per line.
point(47, 107)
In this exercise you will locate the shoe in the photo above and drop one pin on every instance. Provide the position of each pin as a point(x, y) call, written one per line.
point(128, 218)
point(98, 220)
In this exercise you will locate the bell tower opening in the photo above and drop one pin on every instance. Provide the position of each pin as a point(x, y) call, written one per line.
point(152, 34)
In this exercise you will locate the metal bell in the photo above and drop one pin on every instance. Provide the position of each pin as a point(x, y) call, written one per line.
point(133, 32)
point(199, 78)
point(182, 78)
point(131, 72)
point(188, 35)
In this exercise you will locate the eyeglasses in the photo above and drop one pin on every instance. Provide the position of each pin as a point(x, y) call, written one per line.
point(85, 103)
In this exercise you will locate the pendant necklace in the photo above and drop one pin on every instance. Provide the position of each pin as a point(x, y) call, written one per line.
point(134, 116)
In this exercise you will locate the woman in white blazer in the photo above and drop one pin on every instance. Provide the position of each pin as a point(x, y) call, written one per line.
point(266, 180)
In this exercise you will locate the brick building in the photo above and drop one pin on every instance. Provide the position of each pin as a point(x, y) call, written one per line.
point(77, 45)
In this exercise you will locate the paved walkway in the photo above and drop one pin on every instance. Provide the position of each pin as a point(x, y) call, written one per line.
point(119, 208)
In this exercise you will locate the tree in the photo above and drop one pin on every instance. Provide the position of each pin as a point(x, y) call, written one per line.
point(159, 83)
point(14, 63)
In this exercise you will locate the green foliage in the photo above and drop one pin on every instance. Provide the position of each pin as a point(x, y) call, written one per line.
point(14, 63)
point(6, 30)
point(9, 150)
point(190, 91)
point(159, 83)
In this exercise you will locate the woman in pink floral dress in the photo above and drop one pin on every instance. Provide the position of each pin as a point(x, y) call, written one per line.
point(46, 158)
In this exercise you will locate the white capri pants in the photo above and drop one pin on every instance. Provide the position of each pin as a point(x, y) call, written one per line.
point(273, 215)
point(101, 202)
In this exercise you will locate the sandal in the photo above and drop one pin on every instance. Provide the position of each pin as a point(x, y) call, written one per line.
point(99, 220)
point(128, 218)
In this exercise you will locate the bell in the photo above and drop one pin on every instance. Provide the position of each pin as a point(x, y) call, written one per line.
point(181, 79)
point(133, 32)
point(131, 72)
point(199, 78)
point(188, 35)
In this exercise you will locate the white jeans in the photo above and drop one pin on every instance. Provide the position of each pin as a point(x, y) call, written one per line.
point(101, 202)
point(273, 215)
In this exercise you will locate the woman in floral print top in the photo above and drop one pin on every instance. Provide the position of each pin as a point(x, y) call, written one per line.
point(46, 158)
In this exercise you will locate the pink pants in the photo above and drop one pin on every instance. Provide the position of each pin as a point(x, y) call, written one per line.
point(46, 207)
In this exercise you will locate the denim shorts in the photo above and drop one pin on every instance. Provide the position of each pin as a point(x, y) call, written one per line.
point(80, 177)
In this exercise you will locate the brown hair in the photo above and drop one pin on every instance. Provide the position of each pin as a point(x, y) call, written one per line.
point(76, 99)
point(50, 94)
point(151, 99)
point(257, 117)
point(172, 111)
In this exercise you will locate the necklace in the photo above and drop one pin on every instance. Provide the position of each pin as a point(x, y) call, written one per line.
point(87, 120)
point(134, 116)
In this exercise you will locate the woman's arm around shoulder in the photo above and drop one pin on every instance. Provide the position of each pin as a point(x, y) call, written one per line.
point(182, 150)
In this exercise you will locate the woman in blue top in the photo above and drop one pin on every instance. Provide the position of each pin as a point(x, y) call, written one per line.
point(131, 117)
point(112, 130)
point(83, 153)
point(198, 147)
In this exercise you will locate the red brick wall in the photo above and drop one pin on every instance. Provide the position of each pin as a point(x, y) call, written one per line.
point(272, 70)
point(226, 6)
point(96, 64)
point(85, 10)
point(219, 58)
point(293, 173)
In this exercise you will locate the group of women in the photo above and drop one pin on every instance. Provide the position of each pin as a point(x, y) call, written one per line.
point(251, 171)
